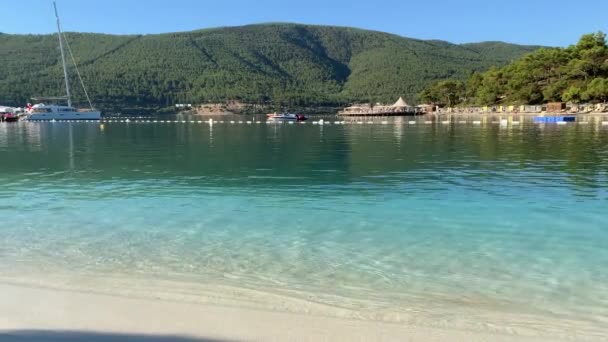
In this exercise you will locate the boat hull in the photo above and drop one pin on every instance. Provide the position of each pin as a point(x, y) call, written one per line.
point(72, 116)
point(283, 119)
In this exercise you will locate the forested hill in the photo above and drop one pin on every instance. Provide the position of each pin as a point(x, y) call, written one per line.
point(290, 64)
point(578, 73)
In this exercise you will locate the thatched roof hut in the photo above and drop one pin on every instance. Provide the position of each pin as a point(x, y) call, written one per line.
point(400, 103)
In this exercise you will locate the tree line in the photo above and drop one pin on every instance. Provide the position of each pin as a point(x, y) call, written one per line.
point(577, 73)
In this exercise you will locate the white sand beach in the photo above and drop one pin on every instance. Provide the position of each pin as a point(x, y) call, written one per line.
point(31, 314)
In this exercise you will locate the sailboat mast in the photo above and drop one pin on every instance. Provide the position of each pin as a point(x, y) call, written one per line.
point(65, 69)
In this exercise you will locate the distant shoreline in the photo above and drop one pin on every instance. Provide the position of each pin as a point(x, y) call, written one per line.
point(479, 114)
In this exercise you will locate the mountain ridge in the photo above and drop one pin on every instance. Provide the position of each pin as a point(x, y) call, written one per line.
point(284, 64)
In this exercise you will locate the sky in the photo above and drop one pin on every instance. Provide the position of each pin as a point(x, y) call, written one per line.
point(533, 22)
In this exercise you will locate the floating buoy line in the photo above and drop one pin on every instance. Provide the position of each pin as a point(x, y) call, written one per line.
point(321, 122)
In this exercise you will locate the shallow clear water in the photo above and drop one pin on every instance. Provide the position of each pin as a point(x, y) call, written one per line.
point(374, 218)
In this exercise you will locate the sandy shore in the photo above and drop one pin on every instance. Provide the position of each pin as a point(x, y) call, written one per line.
point(38, 314)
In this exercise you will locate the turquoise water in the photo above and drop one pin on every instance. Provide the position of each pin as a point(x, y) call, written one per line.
point(389, 222)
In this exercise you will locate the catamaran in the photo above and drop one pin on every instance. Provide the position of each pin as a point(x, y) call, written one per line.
point(56, 112)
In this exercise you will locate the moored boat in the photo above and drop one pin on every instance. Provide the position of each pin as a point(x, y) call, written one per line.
point(8, 116)
point(57, 112)
point(554, 119)
point(287, 117)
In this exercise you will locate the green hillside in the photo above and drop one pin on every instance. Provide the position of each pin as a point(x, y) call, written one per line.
point(578, 73)
point(294, 65)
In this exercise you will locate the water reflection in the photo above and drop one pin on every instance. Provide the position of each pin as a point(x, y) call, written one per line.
point(309, 154)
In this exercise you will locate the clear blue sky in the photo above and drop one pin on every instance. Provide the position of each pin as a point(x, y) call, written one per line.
point(545, 22)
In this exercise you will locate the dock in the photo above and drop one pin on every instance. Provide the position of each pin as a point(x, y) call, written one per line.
point(399, 108)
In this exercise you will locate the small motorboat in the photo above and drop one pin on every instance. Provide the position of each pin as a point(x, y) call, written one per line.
point(8, 117)
point(554, 119)
point(286, 116)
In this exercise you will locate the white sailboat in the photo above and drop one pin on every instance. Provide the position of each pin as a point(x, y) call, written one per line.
point(48, 112)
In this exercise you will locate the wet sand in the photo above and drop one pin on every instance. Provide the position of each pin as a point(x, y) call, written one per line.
point(76, 316)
